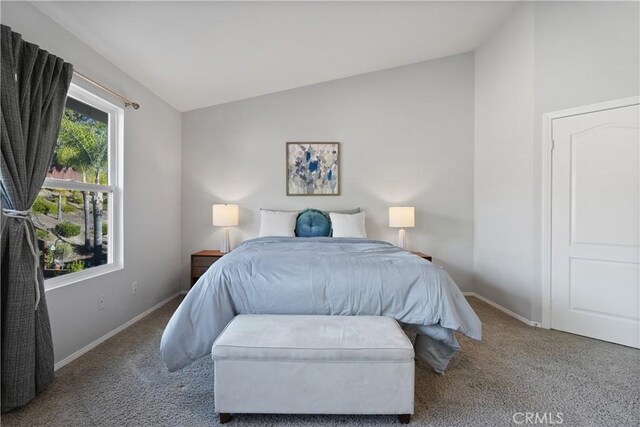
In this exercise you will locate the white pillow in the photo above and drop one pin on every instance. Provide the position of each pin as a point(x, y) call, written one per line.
point(346, 225)
point(276, 223)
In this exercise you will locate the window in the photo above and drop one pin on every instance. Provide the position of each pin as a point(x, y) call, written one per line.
point(78, 212)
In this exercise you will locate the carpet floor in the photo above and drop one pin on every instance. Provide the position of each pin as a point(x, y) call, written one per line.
point(514, 369)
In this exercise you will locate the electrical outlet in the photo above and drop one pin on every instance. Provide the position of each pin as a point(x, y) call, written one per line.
point(101, 302)
point(134, 287)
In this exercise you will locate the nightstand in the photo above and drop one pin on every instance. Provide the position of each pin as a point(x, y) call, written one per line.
point(201, 261)
point(421, 255)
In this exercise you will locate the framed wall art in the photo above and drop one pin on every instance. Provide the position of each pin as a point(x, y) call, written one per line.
point(313, 169)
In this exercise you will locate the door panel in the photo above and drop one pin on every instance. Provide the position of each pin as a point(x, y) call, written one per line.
point(608, 210)
point(595, 267)
point(621, 297)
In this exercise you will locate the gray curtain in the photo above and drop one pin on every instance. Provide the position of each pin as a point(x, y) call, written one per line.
point(33, 91)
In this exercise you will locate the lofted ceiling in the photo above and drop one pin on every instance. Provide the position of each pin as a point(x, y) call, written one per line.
point(198, 54)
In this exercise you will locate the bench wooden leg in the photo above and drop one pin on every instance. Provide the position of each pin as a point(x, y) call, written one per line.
point(225, 417)
point(404, 418)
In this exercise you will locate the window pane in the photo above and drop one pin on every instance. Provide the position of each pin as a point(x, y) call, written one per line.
point(66, 222)
point(82, 150)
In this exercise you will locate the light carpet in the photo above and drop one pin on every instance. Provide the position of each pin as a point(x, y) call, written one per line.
point(515, 368)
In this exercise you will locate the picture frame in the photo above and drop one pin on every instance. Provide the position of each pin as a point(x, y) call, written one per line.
point(313, 168)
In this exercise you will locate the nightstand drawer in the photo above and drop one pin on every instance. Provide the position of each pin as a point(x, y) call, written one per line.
point(198, 271)
point(203, 261)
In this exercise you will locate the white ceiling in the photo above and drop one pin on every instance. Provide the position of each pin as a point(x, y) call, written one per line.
point(197, 54)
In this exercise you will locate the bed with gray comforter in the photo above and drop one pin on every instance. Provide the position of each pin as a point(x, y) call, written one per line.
point(327, 276)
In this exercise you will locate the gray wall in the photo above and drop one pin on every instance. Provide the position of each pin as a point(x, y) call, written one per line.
point(503, 211)
point(585, 53)
point(151, 197)
point(581, 53)
point(406, 137)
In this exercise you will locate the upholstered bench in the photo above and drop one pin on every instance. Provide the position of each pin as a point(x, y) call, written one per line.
point(313, 365)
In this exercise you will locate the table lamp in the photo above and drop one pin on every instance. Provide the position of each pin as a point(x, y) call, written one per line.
point(225, 216)
point(402, 216)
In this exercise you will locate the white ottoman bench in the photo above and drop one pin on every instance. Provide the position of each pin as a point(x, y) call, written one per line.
point(313, 365)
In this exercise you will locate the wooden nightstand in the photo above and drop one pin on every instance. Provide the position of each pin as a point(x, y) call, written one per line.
point(201, 261)
point(421, 255)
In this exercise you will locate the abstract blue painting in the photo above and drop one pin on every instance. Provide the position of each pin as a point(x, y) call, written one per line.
point(313, 169)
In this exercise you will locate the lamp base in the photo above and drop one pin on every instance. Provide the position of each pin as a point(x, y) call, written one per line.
point(226, 246)
point(402, 239)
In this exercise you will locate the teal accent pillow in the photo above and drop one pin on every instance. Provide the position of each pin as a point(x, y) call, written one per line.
point(313, 223)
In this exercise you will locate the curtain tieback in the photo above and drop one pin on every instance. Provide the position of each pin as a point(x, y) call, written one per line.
point(25, 216)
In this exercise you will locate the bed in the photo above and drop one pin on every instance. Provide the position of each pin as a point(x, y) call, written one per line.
point(325, 276)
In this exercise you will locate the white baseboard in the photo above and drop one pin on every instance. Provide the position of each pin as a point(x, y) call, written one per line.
point(108, 335)
point(504, 310)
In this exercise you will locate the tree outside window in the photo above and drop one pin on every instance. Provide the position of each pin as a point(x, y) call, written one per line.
point(72, 215)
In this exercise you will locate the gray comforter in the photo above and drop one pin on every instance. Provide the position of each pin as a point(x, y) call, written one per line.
point(329, 276)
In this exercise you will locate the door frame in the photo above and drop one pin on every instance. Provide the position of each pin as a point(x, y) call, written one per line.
point(547, 158)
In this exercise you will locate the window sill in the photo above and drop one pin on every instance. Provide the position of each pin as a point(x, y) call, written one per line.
point(68, 279)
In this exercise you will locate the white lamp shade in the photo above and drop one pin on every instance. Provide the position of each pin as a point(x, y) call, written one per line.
point(404, 216)
point(225, 215)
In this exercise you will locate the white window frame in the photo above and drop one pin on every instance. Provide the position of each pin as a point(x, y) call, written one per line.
point(115, 230)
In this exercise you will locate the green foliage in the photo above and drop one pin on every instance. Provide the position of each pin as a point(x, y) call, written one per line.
point(74, 266)
point(68, 208)
point(40, 206)
point(75, 197)
point(42, 234)
point(67, 229)
point(104, 229)
point(62, 250)
point(83, 145)
point(49, 259)
point(44, 206)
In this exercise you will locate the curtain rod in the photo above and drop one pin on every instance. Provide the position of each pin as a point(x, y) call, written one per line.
point(127, 102)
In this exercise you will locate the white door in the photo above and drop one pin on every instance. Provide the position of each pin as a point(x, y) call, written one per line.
point(595, 266)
